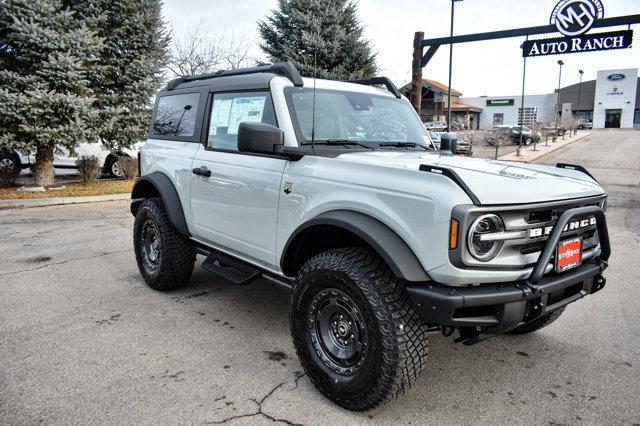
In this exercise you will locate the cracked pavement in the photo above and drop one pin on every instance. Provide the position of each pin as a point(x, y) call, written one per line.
point(83, 340)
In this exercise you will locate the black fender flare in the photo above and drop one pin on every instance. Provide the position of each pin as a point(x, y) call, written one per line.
point(158, 184)
point(384, 240)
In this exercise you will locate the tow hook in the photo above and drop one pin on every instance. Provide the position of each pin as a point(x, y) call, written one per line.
point(603, 264)
point(598, 283)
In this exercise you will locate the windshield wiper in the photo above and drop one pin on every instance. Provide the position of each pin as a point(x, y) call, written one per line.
point(404, 145)
point(334, 142)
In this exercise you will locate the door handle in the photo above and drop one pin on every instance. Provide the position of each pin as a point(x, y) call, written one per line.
point(201, 171)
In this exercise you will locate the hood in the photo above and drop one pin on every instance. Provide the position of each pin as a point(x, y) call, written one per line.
point(493, 182)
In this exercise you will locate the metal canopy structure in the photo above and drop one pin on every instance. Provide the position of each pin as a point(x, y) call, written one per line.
point(421, 59)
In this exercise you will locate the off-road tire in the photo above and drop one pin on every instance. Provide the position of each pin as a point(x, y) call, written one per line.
point(177, 251)
point(397, 336)
point(537, 324)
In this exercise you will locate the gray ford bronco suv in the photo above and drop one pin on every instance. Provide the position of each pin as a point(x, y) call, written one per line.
point(334, 190)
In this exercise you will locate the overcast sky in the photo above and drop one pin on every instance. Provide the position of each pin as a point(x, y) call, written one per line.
point(483, 68)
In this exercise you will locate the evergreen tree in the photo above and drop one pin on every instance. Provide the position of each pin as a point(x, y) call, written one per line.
point(325, 32)
point(129, 66)
point(45, 58)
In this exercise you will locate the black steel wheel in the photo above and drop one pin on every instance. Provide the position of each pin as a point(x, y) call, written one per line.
point(165, 258)
point(354, 328)
point(338, 331)
point(150, 246)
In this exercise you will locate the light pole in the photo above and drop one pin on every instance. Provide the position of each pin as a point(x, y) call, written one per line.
point(579, 90)
point(453, 3)
point(558, 106)
point(524, 74)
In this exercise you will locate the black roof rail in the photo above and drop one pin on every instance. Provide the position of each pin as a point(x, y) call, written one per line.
point(286, 69)
point(576, 167)
point(444, 171)
point(379, 80)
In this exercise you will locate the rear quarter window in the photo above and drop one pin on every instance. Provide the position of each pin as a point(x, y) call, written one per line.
point(175, 115)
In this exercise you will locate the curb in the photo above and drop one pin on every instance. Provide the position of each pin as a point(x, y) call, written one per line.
point(43, 202)
point(528, 159)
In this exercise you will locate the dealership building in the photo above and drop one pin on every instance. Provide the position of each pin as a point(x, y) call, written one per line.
point(612, 100)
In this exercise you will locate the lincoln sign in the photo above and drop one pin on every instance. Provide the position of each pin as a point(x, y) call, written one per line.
point(584, 43)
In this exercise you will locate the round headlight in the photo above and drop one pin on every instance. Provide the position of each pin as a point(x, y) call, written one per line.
point(479, 242)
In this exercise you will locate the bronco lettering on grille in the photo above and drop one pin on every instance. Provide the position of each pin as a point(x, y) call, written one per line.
point(571, 226)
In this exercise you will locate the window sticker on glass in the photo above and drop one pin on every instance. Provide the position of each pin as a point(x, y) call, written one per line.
point(245, 109)
point(220, 114)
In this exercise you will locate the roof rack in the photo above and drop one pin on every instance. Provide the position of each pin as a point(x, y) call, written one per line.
point(379, 80)
point(286, 69)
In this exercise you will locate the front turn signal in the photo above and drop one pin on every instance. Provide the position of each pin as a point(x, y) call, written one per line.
point(453, 235)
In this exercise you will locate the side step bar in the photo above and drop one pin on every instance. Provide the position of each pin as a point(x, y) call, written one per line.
point(227, 267)
point(236, 270)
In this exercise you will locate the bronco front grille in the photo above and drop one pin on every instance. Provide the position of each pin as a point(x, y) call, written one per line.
point(535, 222)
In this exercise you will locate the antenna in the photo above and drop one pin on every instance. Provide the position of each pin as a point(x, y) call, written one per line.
point(313, 107)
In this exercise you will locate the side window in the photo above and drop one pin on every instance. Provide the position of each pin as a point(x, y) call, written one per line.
point(231, 109)
point(176, 115)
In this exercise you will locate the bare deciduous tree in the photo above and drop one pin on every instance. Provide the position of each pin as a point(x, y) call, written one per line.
point(201, 52)
point(536, 127)
point(496, 137)
point(571, 123)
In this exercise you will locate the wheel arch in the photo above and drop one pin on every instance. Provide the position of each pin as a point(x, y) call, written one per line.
point(342, 228)
point(158, 185)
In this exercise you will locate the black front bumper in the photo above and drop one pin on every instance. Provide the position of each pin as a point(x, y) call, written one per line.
point(497, 308)
point(491, 309)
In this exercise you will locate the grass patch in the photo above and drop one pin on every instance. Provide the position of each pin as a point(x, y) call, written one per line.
point(72, 190)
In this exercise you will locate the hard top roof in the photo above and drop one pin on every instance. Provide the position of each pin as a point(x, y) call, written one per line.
point(260, 77)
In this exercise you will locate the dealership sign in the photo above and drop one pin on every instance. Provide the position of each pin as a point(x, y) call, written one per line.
point(573, 19)
point(499, 102)
point(586, 43)
point(616, 77)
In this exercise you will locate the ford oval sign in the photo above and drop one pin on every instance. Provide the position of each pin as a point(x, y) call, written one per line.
point(616, 77)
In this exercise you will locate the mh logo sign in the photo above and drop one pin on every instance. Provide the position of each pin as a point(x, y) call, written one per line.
point(575, 17)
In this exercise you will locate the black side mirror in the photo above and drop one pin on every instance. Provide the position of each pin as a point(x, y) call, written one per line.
point(259, 137)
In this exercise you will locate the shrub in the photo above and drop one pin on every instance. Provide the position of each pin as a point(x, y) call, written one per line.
point(128, 167)
point(88, 168)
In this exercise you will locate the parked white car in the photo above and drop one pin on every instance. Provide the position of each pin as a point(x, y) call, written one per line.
point(64, 160)
point(436, 126)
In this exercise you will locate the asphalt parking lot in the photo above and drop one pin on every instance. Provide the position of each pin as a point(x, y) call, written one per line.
point(83, 340)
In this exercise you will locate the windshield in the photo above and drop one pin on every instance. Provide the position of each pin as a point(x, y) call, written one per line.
point(368, 119)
